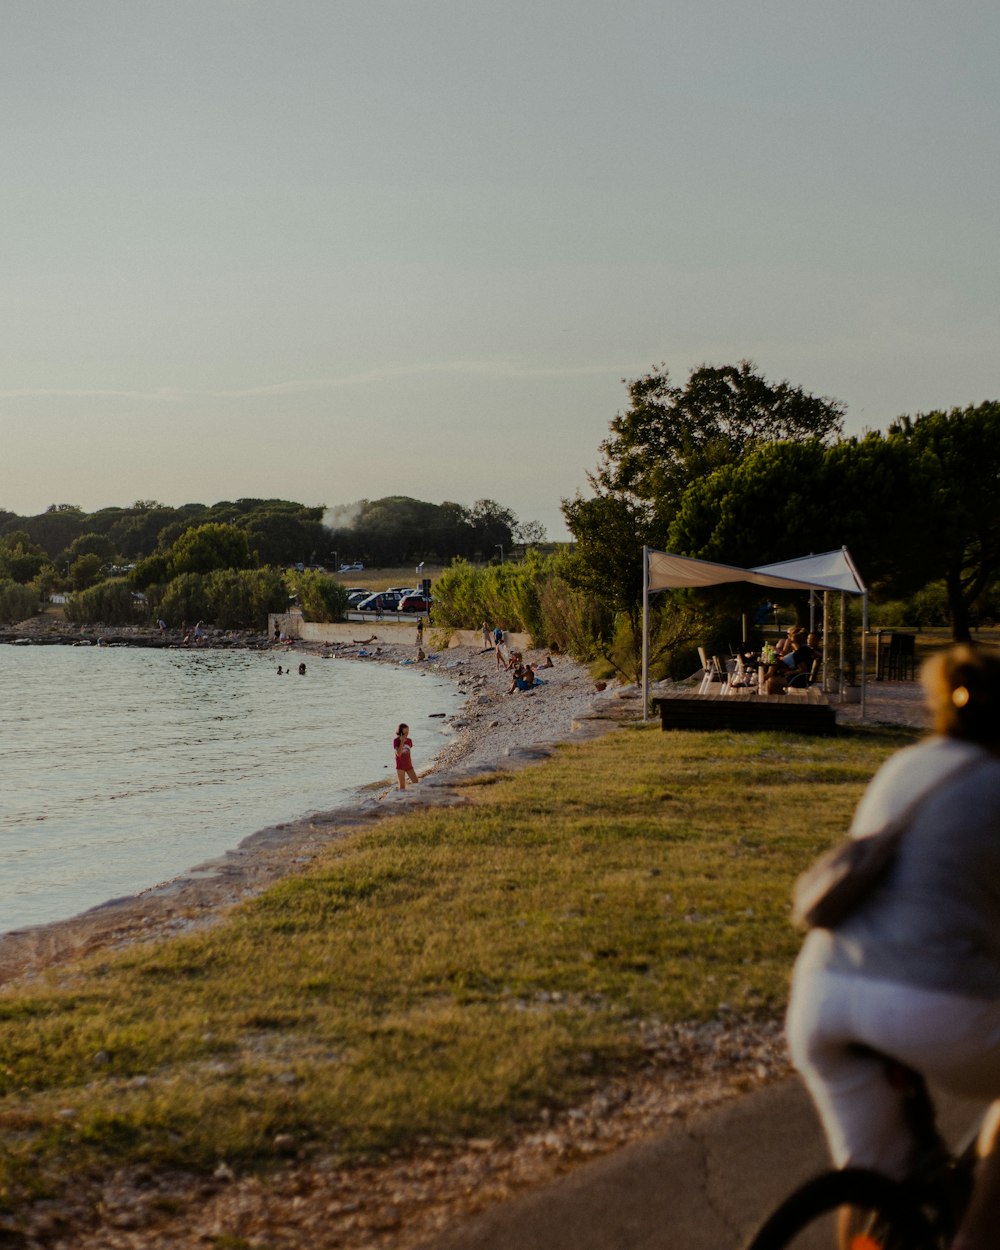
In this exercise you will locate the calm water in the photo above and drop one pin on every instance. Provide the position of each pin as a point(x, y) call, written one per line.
point(121, 768)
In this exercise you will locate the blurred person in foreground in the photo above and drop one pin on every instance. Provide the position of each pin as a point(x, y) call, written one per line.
point(914, 973)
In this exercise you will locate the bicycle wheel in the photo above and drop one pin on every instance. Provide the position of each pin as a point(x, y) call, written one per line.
point(884, 1218)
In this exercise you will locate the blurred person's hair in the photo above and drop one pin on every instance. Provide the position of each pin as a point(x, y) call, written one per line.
point(962, 686)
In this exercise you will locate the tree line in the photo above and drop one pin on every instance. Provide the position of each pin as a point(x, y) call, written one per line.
point(234, 561)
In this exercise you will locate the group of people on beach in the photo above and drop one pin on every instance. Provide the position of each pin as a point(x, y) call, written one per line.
point(524, 676)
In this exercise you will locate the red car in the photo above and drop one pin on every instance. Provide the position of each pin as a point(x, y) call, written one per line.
point(414, 603)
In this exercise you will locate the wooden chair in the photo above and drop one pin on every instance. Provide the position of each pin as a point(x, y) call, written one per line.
point(712, 673)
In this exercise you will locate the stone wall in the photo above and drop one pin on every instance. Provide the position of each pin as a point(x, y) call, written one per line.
point(401, 633)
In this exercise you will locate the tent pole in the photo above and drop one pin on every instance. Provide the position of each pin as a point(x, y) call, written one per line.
point(826, 642)
point(645, 633)
point(843, 637)
point(864, 649)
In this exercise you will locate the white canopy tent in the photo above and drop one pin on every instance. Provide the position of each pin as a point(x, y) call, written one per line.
point(831, 571)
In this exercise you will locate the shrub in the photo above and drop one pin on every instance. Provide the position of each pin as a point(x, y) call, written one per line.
point(530, 596)
point(228, 598)
point(242, 598)
point(186, 599)
point(321, 597)
point(17, 601)
point(112, 602)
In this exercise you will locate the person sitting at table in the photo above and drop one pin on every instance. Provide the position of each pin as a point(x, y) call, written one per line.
point(793, 634)
point(802, 658)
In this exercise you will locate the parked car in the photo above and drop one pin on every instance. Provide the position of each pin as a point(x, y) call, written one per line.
point(414, 603)
point(351, 568)
point(354, 597)
point(383, 600)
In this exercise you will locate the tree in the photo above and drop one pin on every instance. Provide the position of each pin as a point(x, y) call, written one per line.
point(671, 435)
point(135, 530)
point(55, 528)
point(17, 602)
point(607, 565)
point(670, 438)
point(321, 597)
point(955, 519)
point(209, 547)
point(86, 571)
point(21, 560)
point(915, 506)
point(790, 499)
point(86, 545)
point(529, 533)
point(493, 527)
point(401, 530)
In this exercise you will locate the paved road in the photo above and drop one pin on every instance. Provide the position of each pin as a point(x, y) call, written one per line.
point(703, 1185)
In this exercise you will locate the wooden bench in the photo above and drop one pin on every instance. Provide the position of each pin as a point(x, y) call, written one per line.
point(806, 712)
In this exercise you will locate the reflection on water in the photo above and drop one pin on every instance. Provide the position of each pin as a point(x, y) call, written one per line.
point(123, 767)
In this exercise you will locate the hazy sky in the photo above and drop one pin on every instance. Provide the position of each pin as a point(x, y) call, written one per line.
point(338, 249)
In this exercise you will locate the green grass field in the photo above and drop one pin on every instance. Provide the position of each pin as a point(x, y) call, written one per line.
point(445, 973)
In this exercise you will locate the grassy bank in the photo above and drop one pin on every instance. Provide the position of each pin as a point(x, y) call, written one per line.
point(445, 973)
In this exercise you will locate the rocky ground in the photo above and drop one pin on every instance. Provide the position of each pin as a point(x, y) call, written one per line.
point(405, 1202)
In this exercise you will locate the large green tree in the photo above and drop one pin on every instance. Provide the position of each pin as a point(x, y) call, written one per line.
point(915, 506)
point(956, 507)
point(53, 529)
point(209, 547)
point(21, 560)
point(670, 436)
point(789, 499)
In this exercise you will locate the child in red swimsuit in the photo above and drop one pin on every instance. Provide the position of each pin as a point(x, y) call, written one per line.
point(401, 744)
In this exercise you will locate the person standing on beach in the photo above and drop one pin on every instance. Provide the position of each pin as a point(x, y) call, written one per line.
point(420, 632)
point(401, 744)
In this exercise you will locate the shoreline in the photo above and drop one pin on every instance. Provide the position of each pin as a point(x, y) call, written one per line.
point(493, 730)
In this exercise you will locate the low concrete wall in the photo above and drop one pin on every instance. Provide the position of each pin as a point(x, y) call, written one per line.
point(400, 633)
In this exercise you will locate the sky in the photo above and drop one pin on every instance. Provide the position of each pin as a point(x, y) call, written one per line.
point(327, 250)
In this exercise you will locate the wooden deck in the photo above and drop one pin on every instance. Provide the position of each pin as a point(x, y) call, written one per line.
point(808, 712)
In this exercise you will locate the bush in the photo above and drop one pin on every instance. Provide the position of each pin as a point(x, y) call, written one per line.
point(228, 598)
point(17, 601)
point(927, 609)
point(321, 597)
point(242, 598)
point(112, 602)
point(530, 596)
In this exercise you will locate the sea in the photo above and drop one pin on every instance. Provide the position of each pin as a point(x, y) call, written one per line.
point(122, 767)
